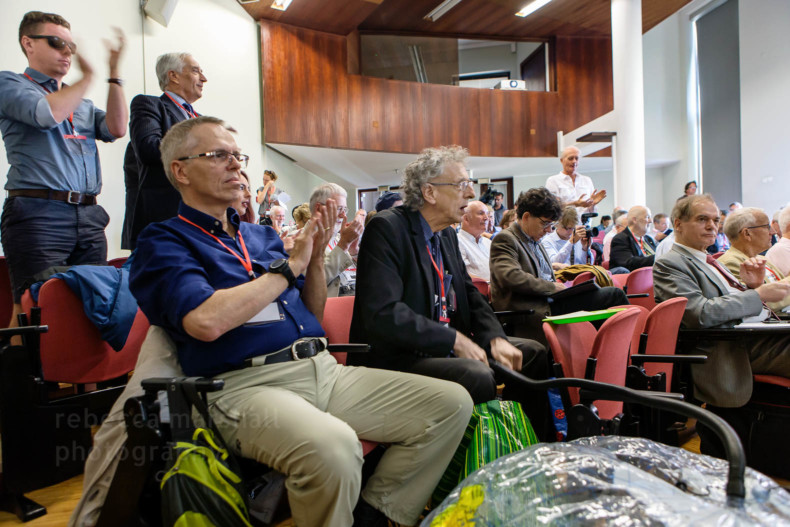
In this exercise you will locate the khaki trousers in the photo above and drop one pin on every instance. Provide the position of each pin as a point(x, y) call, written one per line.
point(305, 419)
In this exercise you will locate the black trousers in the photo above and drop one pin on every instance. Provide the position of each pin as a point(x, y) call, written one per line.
point(593, 300)
point(480, 382)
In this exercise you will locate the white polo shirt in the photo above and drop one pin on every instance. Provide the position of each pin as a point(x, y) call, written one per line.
point(475, 254)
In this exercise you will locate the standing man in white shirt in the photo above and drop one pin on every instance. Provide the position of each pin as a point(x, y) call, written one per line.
point(568, 244)
point(475, 248)
point(572, 188)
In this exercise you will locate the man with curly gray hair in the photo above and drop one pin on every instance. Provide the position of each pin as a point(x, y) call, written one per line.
point(416, 304)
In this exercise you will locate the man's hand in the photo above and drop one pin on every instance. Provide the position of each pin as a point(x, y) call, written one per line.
point(578, 234)
point(773, 292)
point(288, 244)
point(465, 348)
point(349, 234)
point(583, 201)
point(326, 222)
point(559, 265)
point(116, 50)
point(753, 272)
point(559, 286)
point(85, 67)
point(598, 196)
point(506, 353)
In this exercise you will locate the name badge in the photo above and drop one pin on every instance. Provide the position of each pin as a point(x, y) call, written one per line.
point(271, 313)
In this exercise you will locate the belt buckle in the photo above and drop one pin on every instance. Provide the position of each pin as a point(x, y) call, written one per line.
point(307, 344)
point(69, 197)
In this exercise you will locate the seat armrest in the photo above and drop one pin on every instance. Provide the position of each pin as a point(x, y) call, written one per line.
point(348, 348)
point(201, 384)
point(668, 359)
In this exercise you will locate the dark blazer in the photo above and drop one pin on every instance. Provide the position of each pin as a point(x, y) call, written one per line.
point(625, 252)
point(131, 181)
point(149, 120)
point(395, 292)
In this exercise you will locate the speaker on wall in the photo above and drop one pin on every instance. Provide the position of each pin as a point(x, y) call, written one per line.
point(160, 10)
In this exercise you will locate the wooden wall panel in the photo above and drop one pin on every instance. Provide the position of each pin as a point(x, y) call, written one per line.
point(311, 99)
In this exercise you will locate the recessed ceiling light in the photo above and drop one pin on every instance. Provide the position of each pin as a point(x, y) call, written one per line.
point(281, 5)
point(441, 9)
point(532, 7)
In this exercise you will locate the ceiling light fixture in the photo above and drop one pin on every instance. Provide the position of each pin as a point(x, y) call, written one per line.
point(281, 5)
point(441, 9)
point(532, 7)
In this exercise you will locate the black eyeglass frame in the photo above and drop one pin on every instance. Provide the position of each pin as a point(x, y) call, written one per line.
point(56, 42)
point(221, 155)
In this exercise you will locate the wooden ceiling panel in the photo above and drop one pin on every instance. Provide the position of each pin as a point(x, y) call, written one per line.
point(482, 18)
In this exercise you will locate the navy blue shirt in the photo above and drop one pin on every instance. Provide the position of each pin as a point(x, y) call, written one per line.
point(39, 154)
point(177, 267)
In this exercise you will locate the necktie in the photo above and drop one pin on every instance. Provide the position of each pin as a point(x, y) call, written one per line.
point(646, 248)
point(189, 109)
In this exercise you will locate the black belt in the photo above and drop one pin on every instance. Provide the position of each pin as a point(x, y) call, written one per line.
point(69, 196)
point(300, 349)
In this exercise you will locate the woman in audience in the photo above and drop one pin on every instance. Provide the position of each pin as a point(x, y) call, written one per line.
point(300, 214)
point(507, 218)
point(267, 197)
point(689, 190)
point(244, 205)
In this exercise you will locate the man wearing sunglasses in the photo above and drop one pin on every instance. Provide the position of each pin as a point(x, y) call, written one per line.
point(51, 217)
point(181, 79)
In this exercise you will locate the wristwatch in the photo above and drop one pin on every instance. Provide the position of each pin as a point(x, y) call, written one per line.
point(280, 266)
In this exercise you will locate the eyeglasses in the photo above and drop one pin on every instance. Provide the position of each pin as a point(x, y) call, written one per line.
point(768, 225)
point(56, 42)
point(546, 223)
point(221, 156)
point(459, 185)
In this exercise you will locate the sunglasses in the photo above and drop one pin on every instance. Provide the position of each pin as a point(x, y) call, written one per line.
point(56, 42)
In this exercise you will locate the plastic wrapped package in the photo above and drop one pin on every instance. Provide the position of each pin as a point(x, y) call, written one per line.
point(608, 481)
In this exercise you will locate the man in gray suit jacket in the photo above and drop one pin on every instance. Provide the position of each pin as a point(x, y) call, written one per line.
point(521, 274)
point(726, 378)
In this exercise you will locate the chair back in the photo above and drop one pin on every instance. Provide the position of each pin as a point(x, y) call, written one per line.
point(605, 264)
point(611, 349)
point(118, 262)
point(583, 277)
point(639, 328)
point(619, 280)
point(483, 286)
point(337, 322)
point(570, 345)
point(6, 294)
point(73, 351)
point(641, 281)
point(662, 327)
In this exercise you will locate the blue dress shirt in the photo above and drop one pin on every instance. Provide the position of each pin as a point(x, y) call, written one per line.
point(39, 154)
point(177, 267)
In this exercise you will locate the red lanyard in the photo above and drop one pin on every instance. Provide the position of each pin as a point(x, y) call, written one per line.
point(246, 262)
point(443, 302)
point(191, 115)
point(72, 135)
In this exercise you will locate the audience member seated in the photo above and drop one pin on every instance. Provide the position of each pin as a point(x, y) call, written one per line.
point(507, 218)
point(722, 243)
point(666, 244)
point(341, 251)
point(725, 379)
point(475, 248)
point(277, 215)
point(236, 317)
point(244, 204)
point(776, 229)
point(300, 214)
point(387, 200)
point(633, 248)
point(416, 306)
point(572, 188)
point(689, 190)
point(521, 274)
point(606, 222)
point(661, 228)
point(735, 205)
point(748, 231)
point(568, 244)
point(779, 254)
point(619, 225)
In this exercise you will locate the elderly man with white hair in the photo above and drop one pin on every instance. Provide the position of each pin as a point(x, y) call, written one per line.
point(633, 248)
point(779, 254)
point(181, 80)
point(748, 230)
point(340, 259)
point(475, 248)
point(572, 188)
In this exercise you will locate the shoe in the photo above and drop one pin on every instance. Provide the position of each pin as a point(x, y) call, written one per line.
point(366, 515)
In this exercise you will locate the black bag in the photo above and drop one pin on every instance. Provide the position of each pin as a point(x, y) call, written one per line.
point(763, 426)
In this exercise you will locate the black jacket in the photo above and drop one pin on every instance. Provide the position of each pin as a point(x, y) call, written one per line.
point(625, 252)
point(395, 291)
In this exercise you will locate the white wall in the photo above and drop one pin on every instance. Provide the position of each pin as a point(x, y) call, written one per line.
point(765, 113)
point(221, 36)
